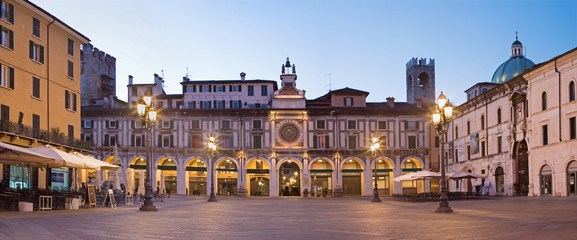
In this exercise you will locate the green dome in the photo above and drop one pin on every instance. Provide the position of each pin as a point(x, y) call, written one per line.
point(511, 68)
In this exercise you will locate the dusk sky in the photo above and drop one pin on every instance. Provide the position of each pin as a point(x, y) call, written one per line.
point(361, 44)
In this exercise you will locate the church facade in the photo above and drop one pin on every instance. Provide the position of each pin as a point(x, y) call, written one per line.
point(272, 141)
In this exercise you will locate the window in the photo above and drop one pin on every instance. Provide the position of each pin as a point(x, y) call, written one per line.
point(226, 124)
point(70, 47)
point(468, 128)
point(263, 90)
point(382, 142)
point(482, 122)
point(232, 88)
point(167, 124)
point(250, 90)
point(225, 141)
point(545, 135)
point(351, 124)
point(160, 104)
point(412, 141)
point(411, 125)
point(7, 38)
point(4, 117)
point(86, 123)
point(35, 27)
point(571, 91)
point(544, 101)
point(165, 141)
point(236, 104)
point(112, 124)
point(191, 88)
point(349, 101)
point(320, 124)
point(468, 152)
point(109, 140)
point(194, 141)
point(206, 88)
point(219, 104)
point(6, 76)
point(482, 148)
point(134, 92)
point(36, 52)
point(456, 155)
point(70, 69)
point(35, 87)
point(382, 125)
point(256, 124)
point(35, 126)
point(137, 141)
point(192, 105)
point(499, 116)
point(456, 132)
point(257, 141)
point(70, 134)
point(206, 104)
point(86, 138)
point(220, 88)
point(499, 144)
point(352, 140)
point(321, 142)
point(7, 12)
point(195, 124)
point(572, 128)
point(70, 100)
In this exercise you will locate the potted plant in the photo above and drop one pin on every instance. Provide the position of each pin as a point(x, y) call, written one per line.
point(196, 192)
point(325, 192)
point(306, 192)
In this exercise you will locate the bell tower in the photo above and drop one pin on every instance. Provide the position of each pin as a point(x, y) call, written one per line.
point(421, 80)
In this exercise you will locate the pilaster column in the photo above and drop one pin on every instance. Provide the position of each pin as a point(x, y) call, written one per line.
point(398, 171)
point(181, 179)
point(273, 174)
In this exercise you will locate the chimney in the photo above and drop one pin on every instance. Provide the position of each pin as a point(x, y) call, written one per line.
point(129, 79)
point(185, 79)
point(242, 76)
point(391, 101)
point(419, 103)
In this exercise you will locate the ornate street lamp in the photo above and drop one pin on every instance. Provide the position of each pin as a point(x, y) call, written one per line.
point(212, 150)
point(147, 114)
point(374, 146)
point(441, 116)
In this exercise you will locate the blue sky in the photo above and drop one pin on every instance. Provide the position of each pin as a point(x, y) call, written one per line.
point(362, 44)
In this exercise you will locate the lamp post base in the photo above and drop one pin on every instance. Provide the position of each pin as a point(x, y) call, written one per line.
point(376, 196)
point(444, 208)
point(212, 198)
point(148, 207)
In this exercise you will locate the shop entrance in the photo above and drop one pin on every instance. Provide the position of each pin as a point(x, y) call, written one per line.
point(226, 173)
point(289, 179)
point(257, 171)
point(352, 178)
point(522, 168)
point(572, 177)
point(321, 177)
point(546, 180)
point(196, 175)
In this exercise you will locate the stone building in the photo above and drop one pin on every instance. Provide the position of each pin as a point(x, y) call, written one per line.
point(517, 128)
point(39, 87)
point(98, 73)
point(271, 141)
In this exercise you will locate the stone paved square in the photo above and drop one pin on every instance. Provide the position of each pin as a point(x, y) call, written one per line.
point(304, 218)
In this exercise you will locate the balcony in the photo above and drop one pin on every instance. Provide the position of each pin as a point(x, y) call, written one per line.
point(54, 137)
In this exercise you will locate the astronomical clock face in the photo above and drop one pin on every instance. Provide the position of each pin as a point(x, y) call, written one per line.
point(289, 133)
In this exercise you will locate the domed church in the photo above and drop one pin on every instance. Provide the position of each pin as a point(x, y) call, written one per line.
point(514, 65)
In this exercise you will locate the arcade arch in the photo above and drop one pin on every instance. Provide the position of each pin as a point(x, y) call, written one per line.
point(353, 179)
point(257, 171)
point(321, 176)
point(226, 177)
point(289, 178)
point(196, 177)
point(166, 166)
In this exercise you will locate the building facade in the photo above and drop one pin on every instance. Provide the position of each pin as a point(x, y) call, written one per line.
point(39, 81)
point(271, 141)
point(517, 129)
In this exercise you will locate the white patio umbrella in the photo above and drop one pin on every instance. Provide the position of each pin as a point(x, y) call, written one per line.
point(460, 175)
point(97, 179)
point(62, 158)
point(10, 153)
point(426, 175)
point(73, 180)
point(405, 177)
point(99, 163)
point(129, 182)
point(117, 176)
point(162, 184)
point(141, 183)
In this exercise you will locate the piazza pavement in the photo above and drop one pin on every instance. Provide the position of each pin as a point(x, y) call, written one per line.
point(184, 217)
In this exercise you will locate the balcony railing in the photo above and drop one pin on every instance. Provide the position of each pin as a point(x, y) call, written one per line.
point(54, 136)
